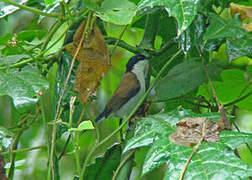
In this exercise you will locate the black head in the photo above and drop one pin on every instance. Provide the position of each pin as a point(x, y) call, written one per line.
point(133, 61)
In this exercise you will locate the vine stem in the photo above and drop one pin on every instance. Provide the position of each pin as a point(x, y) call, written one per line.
point(51, 167)
point(121, 164)
point(35, 11)
point(13, 156)
point(24, 150)
point(129, 116)
point(118, 40)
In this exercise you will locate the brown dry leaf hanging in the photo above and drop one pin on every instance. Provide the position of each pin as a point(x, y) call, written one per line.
point(189, 131)
point(244, 11)
point(94, 61)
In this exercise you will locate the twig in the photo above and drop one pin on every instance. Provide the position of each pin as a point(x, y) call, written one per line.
point(223, 122)
point(84, 35)
point(24, 150)
point(24, 62)
point(65, 146)
point(54, 28)
point(182, 173)
point(238, 100)
point(70, 135)
point(118, 40)
point(168, 45)
point(124, 45)
point(13, 156)
point(125, 121)
point(36, 11)
point(121, 164)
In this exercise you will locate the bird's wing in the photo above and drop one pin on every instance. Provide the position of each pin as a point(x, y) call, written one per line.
point(127, 88)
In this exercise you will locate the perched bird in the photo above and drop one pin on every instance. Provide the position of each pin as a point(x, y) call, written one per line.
point(130, 89)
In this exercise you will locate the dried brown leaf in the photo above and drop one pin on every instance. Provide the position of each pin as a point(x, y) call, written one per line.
point(2, 169)
point(94, 61)
point(223, 122)
point(244, 11)
point(189, 131)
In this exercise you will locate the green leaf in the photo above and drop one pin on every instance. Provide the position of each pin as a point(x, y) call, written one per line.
point(183, 78)
point(49, 2)
point(7, 9)
point(184, 11)
point(117, 12)
point(239, 47)
point(12, 59)
point(211, 161)
point(234, 139)
point(9, 115)
point(29, 35)
point(219, 28)
point(153, 127)
point(104, 167)
point(229, 89)
point(158, 155)
point(6, 139)
point(193, 35)
point(82, 126)
point(22, 86)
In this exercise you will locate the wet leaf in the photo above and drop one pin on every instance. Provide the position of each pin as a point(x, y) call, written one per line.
point(234, 139)
point(239, 47)
point(6, 9)
point(184, 11)
point(6, 139)
point(220, 28)
point(22, 86)
point(94, 61)
point(158, 155)
point(211, 161)
point(117, 12)
point(183, 78)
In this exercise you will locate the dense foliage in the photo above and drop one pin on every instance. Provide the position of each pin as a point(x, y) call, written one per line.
point(200, 68)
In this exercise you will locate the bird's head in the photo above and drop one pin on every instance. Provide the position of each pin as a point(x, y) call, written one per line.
point(138, 62)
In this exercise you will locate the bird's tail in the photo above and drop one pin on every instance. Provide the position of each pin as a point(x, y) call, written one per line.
point(100, 117)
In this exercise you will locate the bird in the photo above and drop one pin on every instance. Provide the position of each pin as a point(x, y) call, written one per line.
point(131, 88)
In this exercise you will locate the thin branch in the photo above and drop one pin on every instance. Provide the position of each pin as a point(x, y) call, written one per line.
point(238, 100)
point(24, 62)
point(182, 173)
point(163, 49)
point(124, 45)
point(84, 35)
point(65, 146)
point(52, 32)
point(125, 121)
point(35, 11)
point(118, 40)
point(13, 156)
point(223, 122)
point(24, 150)
point(121, 164)
point(70, 135)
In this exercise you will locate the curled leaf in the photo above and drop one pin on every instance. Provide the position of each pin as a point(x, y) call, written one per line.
point(189, 131)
